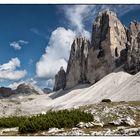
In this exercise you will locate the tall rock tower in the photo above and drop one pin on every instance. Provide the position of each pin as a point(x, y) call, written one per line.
point(112, 46)
point(133, 55)
point(77, 64)
point(108, 46)
point(60, 79)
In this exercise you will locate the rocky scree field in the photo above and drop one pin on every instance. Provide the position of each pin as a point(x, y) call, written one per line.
point(102, 119)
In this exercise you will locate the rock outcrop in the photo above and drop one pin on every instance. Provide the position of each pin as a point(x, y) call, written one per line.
point(77, 64)
point(108, 46)
point(133, 55)
point(47, 90)
point(5, 92)
point(60, 79)
point(27, 89)
point(113, 47)
point(21, 89)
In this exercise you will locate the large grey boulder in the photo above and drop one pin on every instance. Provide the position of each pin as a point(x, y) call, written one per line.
point(77, 64)
point(133, 55)
point(108, 46)
point(60, 80)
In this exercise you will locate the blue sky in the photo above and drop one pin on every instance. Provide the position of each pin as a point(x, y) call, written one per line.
point(35, 39)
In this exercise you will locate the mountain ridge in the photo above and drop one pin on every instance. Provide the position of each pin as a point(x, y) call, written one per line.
point(112, 46)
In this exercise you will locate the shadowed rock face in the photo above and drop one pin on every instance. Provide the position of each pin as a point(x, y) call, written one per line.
point(133, 55)
point(107, 46)
point(5, 92)
point(60, 80)
point(77, 64)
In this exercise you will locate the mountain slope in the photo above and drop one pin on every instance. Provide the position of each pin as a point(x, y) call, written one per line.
point(119, 86)
point(93, 94)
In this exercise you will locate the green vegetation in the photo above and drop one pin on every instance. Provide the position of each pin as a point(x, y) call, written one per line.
point(59, 119)
point(134, 103)
point(12, 121)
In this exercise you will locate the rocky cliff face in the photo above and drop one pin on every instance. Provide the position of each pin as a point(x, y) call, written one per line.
point(77, 64)
point(108, 46)
point(112, 47)
point(133, 55)
point(60, 79)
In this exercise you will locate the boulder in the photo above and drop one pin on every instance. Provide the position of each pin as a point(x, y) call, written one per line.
point(81, 125)
point(123, 121)
point(55, 130)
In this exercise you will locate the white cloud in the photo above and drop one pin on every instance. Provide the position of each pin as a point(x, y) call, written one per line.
point(30, 82)
point(14, 85)
point(76, 15)
point(11, 65)
point(39, 33)
point(57, 53)
point(50, 83)
point(23, 42)
point(17, 45)
point(8, 70)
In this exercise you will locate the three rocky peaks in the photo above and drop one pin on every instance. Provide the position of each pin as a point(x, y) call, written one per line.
point(112, 47)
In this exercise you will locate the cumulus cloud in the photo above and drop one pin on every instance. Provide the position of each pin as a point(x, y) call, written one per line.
point(30, 82)
point(76, 15)
point(58, 49)
point(57, 53)
point(14, 85)
point(8, 70)
point(17, 45)
point(79, 15)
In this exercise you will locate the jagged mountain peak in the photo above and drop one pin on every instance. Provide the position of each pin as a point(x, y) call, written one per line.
point(112, 46)
point(28, 88)
point(107, 12)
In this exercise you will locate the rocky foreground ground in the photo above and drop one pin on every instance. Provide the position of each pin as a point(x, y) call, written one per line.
point(110, 119)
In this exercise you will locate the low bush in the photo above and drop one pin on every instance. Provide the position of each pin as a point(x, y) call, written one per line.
point(106, 100)
point(8, 122)
point(59, 119)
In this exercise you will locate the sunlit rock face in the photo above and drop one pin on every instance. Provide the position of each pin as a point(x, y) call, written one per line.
point(108, 46)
